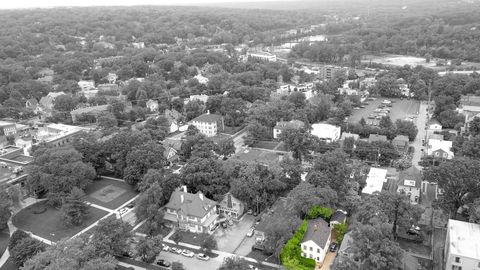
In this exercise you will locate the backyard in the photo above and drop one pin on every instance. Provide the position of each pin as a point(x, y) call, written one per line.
point(45, 221)
point(109, 193)
point(401, 109)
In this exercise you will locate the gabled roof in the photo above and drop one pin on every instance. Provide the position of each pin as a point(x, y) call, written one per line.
point(318, 231)
point(411, 177)
point(339, 216)
point(188, 204)
point(92, 109)
point(433, 121)
point(349, 135)
point(208, 118)
point(294, 124)
point(376, 137)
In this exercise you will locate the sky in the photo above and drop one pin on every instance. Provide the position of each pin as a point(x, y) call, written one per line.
point(8, 4)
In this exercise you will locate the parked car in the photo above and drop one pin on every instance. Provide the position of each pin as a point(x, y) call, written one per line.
point(333, 247)
point(165, 247)
point(251, 232)
point(202, 256)
point(176, 250)
point(187, 253)
point(214, 227)
point(163, 263)
point(130, 205)
point(252, 267)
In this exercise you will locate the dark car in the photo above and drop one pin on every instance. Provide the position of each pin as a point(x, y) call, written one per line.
point(130, 205)
point(163, 263)
point(333, 247)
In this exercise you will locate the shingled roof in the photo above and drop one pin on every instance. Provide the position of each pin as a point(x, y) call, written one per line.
point(208, 118)
point(189, 204)
point(318, 231)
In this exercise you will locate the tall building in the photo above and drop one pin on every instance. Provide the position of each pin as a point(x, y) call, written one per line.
point(462, 245)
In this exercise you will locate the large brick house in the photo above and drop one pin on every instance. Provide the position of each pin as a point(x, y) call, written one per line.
point(192, 212)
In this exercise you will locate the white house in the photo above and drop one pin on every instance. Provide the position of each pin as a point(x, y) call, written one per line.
point(326, 132)
point(409, 183)
point(440, 149)
point(209, 124)
point(282, 125)
point(462, 248)
point(152, 105)
point(316, 240)
point(434, 125)
point(86, 85)
point(201, 79)
point(375, 179)
point(263, 56)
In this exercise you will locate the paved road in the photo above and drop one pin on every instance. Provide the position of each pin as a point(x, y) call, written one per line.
point(192, 263)
point(230, 238)
point(421, 123)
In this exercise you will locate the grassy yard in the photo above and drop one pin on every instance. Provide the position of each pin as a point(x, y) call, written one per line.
point(262, 257)
point(400, 109)
point(219, 137)
point(163, 231)
point(4, 238)
point(120, 192)
point(266, 144)
point(232, 130)
point(189, 237)
point(49, 224)
point(9, 265)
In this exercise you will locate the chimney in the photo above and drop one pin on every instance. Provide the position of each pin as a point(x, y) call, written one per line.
point(181, 198)
point(208, 111)
point(315, 227)
point(184, 188)
point(200, 194)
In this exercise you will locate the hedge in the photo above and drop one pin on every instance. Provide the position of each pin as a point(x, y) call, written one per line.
point(291, 253)
point(318, 211)
point(340, 230)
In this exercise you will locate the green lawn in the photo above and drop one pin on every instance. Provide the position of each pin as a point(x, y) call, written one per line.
point(163, 231)
point(4, 238)
point(232, 130)
point(49, 224)
point(116, 202)
point(266, 144)
point(9, 265)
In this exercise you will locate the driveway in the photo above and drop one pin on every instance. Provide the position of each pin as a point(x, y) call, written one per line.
point(328, 261)
point(230, 238)
point(239, 139)
point(192, 263)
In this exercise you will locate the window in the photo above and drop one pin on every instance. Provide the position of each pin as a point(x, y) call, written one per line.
point(303, 254)
point(311, 249)
point(478, 265)
point(305, 247)
point(311, 257)
point(457, 259)
point(456, 267)
point(318, 250)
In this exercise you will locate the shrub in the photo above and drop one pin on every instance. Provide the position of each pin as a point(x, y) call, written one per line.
point(340, 230)
point(16, 237)
point(291, 254)
point(318, 211)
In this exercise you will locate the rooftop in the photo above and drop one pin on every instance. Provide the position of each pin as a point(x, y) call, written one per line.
point(411, 177)
point(99, 108)
point(375, 179)
point(189, 204)
point(463, 238)
point(289, 124)
point(318, 231)
point(470, 101)
point(208, 118)
point(376, 137)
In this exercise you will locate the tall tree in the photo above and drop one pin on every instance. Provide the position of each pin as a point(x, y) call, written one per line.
point(234, 263)
point(399, 210)
point(56, 171)
point(74, 210)
point(299, 141)
point(458, 178)
point(111, 237)
point(148, 206)
point(140, 160)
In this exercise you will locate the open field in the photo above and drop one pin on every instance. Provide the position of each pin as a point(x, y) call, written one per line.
point(400, 109)
point(49, 224)
point(401, 60)
point(109, 193)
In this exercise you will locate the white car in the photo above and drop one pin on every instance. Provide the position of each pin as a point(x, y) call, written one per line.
point(176, 250)
point(250, 233)
point(188, 253)
point(252, 267)
point(165, 247)
point(202, 256)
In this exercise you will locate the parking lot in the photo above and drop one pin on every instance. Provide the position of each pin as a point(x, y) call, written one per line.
point(233, 239)
point(400, 109)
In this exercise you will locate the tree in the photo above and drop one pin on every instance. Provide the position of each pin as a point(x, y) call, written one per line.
point(148, 248)
point(299, 141)
point(25, 249)
point(140, 160)
point(74, 254)
point(305, 195)
point(209, 243)
point(111, 237)
point(374, 248)
point(474, 211)
point(458, 178)
point(399, 210)
point(65, 103)
point(225, 148)
point(471, 148)
point(56, 171)
point(474, 126)
point(107, 121)
point(9, 196)
point(205, 175)
point(16, 237)
point(148, 206)
point(234, 263)
point(406, 128)
point(177, 266)
point(74, 208)
point(193, 109)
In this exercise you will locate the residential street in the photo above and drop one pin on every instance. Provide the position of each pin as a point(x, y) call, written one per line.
point(421, 122)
